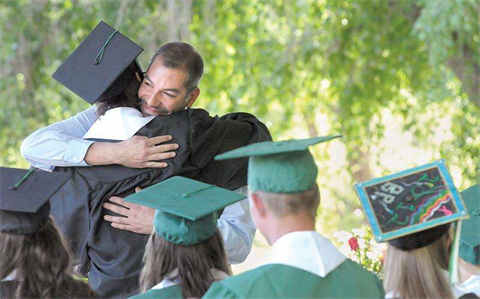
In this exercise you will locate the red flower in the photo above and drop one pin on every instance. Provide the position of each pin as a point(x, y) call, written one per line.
point(353, 242)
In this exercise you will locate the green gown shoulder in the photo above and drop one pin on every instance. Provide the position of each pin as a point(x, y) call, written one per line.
point(349, 280)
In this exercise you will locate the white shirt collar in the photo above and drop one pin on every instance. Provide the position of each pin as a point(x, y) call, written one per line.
point(471, 285)
point(307, 250)
point(172, 278)
point(119, 123)
point(10, 276)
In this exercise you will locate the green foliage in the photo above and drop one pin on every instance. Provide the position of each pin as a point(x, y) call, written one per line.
point(304, 67)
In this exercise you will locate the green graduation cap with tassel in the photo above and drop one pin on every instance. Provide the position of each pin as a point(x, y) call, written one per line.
point(279, 167)
point(186, 210)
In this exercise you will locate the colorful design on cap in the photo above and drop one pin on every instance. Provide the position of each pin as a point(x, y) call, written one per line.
point(410, 201)
point(431, 205)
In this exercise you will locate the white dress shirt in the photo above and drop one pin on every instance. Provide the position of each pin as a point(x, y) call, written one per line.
point(62, 144)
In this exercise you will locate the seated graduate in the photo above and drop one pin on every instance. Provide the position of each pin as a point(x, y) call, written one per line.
point(414, 211)
point(111, 255)
point(469, 253)
point(185, 253)
point(34, 260)
point(284, 198)
point(416, 265)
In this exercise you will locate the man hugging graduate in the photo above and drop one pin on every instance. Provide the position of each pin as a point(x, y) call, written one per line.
point(112, 148)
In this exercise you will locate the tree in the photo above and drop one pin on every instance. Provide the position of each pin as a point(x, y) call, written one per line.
point(305, 67)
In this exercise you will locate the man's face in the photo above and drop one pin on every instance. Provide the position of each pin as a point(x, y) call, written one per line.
point(162, 90)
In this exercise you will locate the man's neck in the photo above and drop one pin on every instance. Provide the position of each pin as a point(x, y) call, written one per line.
point(288, 224)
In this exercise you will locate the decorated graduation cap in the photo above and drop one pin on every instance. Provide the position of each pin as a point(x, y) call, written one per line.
point(412, 208)
point(24, 195)
point(186, 210)
point(279, 167)
point(470, 233)
point(102, 66)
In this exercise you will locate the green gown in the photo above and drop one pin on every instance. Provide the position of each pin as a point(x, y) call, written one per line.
point(349, 280)
point(173, 292)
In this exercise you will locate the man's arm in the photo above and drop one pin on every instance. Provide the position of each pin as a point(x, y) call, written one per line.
point(235, 224)
point(62, 144)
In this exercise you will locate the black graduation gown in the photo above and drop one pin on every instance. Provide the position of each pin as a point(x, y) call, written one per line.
point(112, 257)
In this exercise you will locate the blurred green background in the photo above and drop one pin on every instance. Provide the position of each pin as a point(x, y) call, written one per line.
point(400, 79)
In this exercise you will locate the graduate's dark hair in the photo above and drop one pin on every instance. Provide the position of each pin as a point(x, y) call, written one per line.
point(127, 98)
point(194, 264)
point(42, 265)
point(181, 55)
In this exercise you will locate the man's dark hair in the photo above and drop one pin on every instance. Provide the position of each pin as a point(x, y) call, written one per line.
point(181, 55)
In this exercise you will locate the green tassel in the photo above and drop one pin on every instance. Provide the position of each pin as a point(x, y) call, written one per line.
point(23, 179)
point(100, 52)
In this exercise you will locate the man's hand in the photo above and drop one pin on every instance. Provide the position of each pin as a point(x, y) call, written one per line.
point(134, 218)
point(136, 152)
point(142, 152)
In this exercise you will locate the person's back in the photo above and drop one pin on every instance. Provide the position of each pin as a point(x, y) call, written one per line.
point(284, 199)
point(185, 252)
point(347, 280)
point(418, 272)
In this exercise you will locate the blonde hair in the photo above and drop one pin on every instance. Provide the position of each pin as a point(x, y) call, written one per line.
point(282, 204)
point(418, 273)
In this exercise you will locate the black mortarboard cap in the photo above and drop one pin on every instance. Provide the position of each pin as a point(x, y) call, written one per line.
point(102, 66)
point(24, 196)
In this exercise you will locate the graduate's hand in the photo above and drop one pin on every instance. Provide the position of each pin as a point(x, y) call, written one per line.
point(134, 218)
point(143, 152)
point(136, 152)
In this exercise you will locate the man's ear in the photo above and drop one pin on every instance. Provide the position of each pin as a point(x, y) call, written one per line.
point(258, 204)
point(193, 96)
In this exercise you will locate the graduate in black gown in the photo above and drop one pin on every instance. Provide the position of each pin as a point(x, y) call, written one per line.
point(34, 261)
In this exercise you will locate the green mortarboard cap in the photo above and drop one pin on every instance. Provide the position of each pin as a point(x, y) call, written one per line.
point(186, 210)
point(102, 66)
point(279, 167)
point(24, 196)
point(470, 235)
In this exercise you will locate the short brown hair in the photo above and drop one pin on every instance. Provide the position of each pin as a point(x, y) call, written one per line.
point(282, 204)
point(181, 55)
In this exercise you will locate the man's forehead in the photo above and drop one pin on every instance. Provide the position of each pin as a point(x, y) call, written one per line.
point(158, 73)
point(158, 70)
